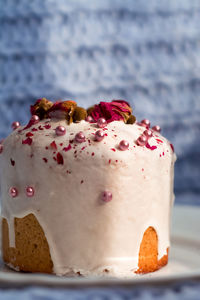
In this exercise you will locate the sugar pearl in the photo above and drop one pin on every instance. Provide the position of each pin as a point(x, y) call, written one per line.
point(145, 123)
point(30, 191)
point(101, 123)
point(148, 133)
point(80, 137)
point(89, 119)
point(106, 196)
point(13, 192)
point(156, 128)
point(35, 119)
point(15, 125)
point(60, 130)
point(1, 148)
point(142, 140)
point(123, 145)
point(99, 135)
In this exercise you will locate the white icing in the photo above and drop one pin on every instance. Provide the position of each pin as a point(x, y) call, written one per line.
point(85, 234)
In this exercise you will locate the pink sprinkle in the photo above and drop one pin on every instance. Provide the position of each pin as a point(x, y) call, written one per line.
point(71, 141)
point(67, 148)
point(82, 181)
point(12, 162)
point(142, 169)
point(45, 159)
point(53, 145)
point(83, 148)
point(75, 151)
point(92, 153)
point(40, 128)
point(54, 158)
point(34, 129)
point(46, 148)
point(105, 128)
point(151, 147)
point(48, 126)
point(116, 160)
point(61, 144)
point(109, 161)
point(28, 141)
point(115, 135)
point(163, 153)
point(29, 134)
point(60, 159)
point(113, 149)
point(160, 155)
point(106, 134)
point(72, 133)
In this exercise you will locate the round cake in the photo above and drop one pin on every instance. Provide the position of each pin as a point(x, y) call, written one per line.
point(86, 192)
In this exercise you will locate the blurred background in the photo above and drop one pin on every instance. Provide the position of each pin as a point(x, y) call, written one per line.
point(146, 52)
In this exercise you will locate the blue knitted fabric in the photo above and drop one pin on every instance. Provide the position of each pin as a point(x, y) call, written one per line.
point(147, 52)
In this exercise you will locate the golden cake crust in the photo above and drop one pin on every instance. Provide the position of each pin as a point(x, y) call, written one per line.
point(148, 255)
point(31, 253)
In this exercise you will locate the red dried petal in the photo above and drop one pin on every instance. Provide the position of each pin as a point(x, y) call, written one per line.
point(60, 160)
point(48, 126)
point(172, 146)
point(67, 148)
point(30, 123)
point(29, 134)
point(159, 141)
point(151, 147)
point(53, 145)
point(40, 127)
point(12, 162)
point(27, 141)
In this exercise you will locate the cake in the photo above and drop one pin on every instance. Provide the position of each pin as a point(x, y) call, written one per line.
point(86, 192)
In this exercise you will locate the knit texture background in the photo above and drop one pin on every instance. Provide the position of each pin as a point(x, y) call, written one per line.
point(147, 52)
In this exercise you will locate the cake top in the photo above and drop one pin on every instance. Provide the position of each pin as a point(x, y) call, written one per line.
point(113, 120)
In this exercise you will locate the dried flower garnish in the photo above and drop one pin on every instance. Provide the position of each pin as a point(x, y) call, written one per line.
point(115, 110)
point(63, 110)
point(131, 119)
point(41, 107)
point(79, 114)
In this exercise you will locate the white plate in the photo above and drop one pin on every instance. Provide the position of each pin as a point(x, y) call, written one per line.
point(184, 260)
